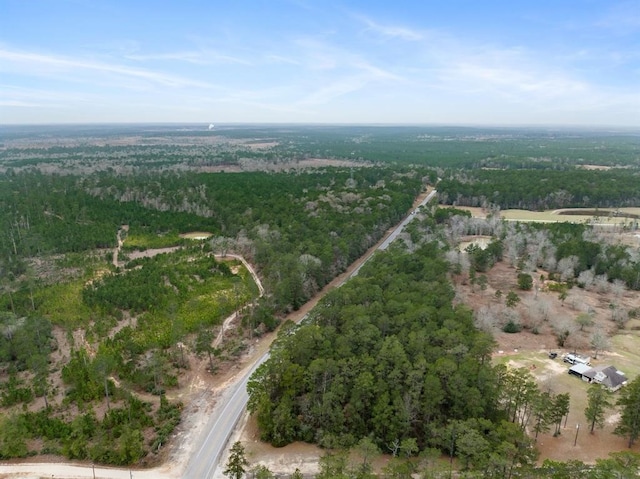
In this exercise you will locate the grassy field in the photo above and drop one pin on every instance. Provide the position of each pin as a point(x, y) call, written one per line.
point(196, 235)
point(144, 241)
point(625, 353)
point(553, 216)
point(552, 374)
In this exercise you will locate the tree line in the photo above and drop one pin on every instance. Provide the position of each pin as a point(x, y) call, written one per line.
point(541, 189)
point(386, 358)
point(357, 464)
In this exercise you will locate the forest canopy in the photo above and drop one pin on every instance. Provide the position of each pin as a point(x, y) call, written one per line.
point(385, 356)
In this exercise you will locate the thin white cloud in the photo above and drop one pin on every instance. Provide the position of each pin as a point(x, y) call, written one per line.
point(37, 60)
point(333, 90)
point(195, 57)
point(189, 57)
point(510, 80)
point(272, 58)
point(23, 104)
point(21, 95)
point(318, 55)
point(376, 72)
point(391, 31)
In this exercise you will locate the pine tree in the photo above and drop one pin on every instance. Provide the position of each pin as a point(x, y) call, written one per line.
point(237, 462)
point(559, 410)
point(629, 399)
point(598, 403)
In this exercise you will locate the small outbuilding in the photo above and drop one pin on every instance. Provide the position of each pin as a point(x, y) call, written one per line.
point(582, 371)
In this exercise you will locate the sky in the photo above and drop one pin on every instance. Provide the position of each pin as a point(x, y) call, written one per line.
point(457, 62)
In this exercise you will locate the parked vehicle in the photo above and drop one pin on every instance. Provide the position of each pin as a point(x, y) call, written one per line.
point(576, 359)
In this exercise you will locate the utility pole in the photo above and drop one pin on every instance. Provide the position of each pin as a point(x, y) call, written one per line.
point(576, 438)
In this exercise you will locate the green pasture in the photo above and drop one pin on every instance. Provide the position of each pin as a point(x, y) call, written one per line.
point(625, 353)
point(556, 216)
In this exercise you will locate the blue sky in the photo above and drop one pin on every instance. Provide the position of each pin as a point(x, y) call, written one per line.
point(480, 62)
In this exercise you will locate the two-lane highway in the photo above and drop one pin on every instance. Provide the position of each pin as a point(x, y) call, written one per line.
point(204, 464)
point(220, 427)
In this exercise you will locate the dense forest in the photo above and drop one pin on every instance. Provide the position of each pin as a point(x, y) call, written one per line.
point(385, 355)
point(541, 189)
point(82, 334)
point(314, 223)
point(90, 347)
point(356, 463)
point(166, 146)
point(386, 363)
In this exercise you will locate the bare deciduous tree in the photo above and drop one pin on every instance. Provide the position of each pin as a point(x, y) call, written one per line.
point(601, 283)
point(566, 267)
point(549, 262)
point(620, 316)
point(563, 328)
point(543, 308)
point(618, 288)
point(586, 278)
point(599, 342)
point(487, 318)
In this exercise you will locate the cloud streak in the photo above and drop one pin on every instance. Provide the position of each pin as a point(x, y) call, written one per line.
point(37, 61)
point(390, 31)
point(195, 57)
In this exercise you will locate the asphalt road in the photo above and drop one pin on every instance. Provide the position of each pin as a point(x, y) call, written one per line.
point(221, 426)
point(204, 464)
point(394, 234)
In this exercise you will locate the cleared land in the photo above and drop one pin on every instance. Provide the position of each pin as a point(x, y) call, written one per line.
point(603, 217)
point(196, 235)
point(530, 351)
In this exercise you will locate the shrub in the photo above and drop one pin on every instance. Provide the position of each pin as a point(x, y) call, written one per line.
point(525, 281)
point(511, 327)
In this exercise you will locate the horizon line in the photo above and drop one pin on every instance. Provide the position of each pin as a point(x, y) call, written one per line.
point(220, 125)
